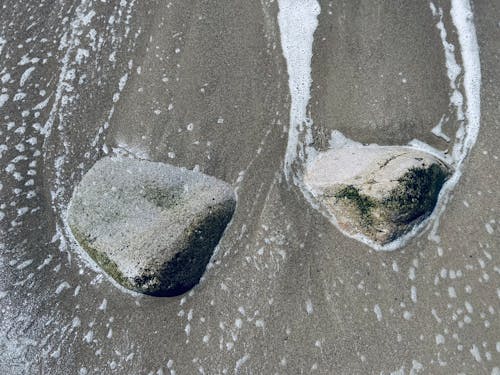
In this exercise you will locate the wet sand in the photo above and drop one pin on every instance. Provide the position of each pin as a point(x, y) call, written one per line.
point(286, 292)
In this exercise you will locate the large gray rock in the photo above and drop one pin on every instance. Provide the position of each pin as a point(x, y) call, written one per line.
point(379, 192)
point(153, 227)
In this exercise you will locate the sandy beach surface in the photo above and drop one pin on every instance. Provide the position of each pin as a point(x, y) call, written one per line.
point(205, 86)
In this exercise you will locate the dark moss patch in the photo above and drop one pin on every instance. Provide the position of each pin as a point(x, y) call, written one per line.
point(162, 197)
point(363, 203)
point(417, 193)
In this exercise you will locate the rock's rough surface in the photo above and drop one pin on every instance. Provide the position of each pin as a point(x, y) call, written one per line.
point(153, 227)
point(380, 192)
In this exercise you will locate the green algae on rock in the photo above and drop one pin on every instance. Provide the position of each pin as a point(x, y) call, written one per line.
point(379, 192)
point(151, 226)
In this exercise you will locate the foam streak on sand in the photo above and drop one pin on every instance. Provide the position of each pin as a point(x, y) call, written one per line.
point(297, 22)
point(462, 17)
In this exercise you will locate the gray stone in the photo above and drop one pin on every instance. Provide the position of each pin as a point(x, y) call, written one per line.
point(379, 192)
point(151, 226)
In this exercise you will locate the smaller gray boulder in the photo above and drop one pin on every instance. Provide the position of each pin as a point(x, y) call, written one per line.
point(151, 226)
point(379, 192)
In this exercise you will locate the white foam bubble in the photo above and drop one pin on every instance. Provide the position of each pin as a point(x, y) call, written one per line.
point(378, 312)
point(3, 99)
point(26, 75)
